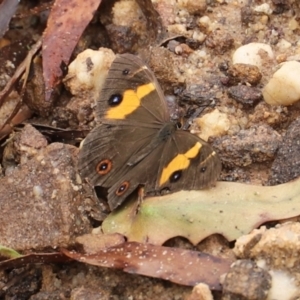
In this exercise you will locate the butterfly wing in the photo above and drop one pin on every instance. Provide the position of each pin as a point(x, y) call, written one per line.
point(127, 149)
point(107, 150)
point(144, 173)
point(187, 162)
point(132, 110)
point(131, 95)
point(183, 161)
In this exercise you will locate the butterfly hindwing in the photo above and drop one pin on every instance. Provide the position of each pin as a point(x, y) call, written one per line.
point(107, 149)
point(144, 173)
point(187, 163)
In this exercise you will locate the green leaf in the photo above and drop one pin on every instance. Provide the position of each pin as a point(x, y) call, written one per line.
point(8, 252)
point(229, 209)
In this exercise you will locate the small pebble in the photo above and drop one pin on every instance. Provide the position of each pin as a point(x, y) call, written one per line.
point(213, 124)
point(252, 54)
point(125, 13)
point(293, 24)
point(178, 29)
point(193, 7)
point(220, 41)
point(201, 291)
point(88, 71)
point(283, 45)
point(246, 95)
point(263, 8)
point(204, 23)
point(199, 36)
point(284, 88)
point(243, 73)
point(37, 191)
point(246, 281)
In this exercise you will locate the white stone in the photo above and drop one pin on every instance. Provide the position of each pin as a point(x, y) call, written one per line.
point(252, 54)
point(205, 22)
point(284, 88)
point(214, 123)
point(283, 286)
point(263, 8)
point(283, 44)
point(88, 71)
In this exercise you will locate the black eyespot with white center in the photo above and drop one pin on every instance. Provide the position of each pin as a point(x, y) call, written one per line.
point(125, 72)
point(176, 176)
point(115, 100)
point(122, 188)
point(104, 167)
point(203, 169)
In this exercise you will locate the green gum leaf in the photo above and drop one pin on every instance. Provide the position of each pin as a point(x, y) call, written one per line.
point(8, 252)
point(229, 209)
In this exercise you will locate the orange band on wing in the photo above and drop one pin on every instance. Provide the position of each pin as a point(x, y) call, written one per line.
point(180, 162)
point(130, 102)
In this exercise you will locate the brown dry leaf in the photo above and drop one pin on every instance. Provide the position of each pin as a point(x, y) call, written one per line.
point(7, 10)
point(67, 21)
point(22, 68)
point(181, 266)
point(16, 112)
point(23, 114)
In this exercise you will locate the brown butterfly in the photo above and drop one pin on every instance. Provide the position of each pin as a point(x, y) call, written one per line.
point(137, 144)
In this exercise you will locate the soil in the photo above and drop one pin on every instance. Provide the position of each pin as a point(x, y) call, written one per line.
point(45, 205)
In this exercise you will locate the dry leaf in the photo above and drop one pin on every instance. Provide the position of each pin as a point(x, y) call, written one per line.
point(67, 21)
point(181, 266)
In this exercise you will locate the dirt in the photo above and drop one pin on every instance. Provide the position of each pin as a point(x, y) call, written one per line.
point(45, 204)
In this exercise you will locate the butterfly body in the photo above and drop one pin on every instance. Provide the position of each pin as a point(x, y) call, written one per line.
point(137, 144)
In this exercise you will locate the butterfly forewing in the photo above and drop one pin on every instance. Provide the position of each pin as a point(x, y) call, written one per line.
point(131, 95)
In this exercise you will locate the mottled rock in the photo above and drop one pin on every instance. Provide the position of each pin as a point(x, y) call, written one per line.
point(89, 294)
point(277, 251)
point(246, 95)
point(286, 165)
point(22, 146)
point(275, 116)
point(219, 41)
point(246, 280)
point(243, 73)
point(40, 201)
point(257, 144)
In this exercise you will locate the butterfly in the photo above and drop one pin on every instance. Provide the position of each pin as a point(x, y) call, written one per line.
point(136, 144)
